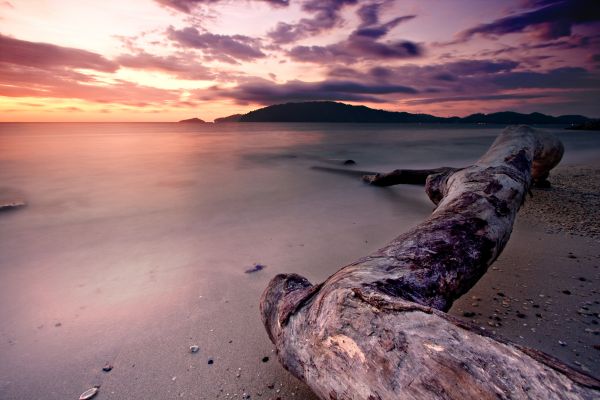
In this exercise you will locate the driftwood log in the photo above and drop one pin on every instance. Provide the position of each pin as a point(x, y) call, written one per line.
point(377, 328)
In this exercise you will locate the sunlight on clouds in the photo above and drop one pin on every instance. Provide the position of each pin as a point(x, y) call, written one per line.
point(85, 24)
point(171, 59)
point(161, 80)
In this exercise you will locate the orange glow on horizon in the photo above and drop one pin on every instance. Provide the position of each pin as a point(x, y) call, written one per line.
point(166, 60)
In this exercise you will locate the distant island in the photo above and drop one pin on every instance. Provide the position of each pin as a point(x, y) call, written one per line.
point(231, 118)
point(330, 111)
point(192, 121)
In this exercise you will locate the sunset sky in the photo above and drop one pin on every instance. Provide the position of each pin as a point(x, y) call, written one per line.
point(165, 60)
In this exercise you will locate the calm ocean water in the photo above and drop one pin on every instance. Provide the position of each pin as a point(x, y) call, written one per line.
point(128, 225)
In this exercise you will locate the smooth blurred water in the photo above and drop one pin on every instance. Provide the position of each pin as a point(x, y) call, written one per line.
point(126, 224)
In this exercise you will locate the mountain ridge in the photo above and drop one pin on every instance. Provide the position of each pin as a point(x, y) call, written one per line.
point(336, 112)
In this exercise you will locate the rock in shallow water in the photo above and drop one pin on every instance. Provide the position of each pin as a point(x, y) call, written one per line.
point(11, 205)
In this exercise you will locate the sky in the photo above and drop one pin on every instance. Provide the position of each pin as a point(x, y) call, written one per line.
point(166, 60)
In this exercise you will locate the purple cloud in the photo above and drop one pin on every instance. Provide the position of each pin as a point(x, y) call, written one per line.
point(483, 80)
point(187, 6)
point(550, 19)
point(423, 76)
point(484, 97)
point(266, 92)
point(370, 25)
point(568, 77)
point(377, 31)
point(363, 43)
point(326, 15)
point(356, 48)
point(45, 55)
point(219, 47)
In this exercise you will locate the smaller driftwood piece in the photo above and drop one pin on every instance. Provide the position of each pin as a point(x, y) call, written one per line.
point(377, 328)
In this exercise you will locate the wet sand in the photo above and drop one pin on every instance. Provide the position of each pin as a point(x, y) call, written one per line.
point(135, 269)
point(542, 292)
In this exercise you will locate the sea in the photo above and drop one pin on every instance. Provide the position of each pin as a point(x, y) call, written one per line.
point(135, 237)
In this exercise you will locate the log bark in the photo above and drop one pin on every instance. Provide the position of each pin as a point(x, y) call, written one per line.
point(376, 329)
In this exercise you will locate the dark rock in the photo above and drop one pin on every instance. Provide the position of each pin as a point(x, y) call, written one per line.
point(210, 361)
point(107, 368)
point(265, 359)
point(255, 268)
point(469, 314)
point(349, 162)
point(566, 291)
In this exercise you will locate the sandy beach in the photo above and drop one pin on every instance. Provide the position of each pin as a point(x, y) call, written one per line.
point(174, 171)
point(543, 291)
point(131, 269)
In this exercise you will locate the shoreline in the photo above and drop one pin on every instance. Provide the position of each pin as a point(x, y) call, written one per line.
point(152, 357)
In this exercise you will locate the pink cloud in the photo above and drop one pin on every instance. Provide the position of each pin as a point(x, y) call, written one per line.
point(184, 66)
point(45, 55)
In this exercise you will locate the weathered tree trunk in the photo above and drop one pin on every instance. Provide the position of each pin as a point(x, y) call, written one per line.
point(405, 176)
point(377, 329)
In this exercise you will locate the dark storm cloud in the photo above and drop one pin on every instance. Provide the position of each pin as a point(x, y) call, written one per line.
point(266, 92)
point(219, 47)
point(549, 19)
point(46, 55)
point(325, 16)
point(187, 6)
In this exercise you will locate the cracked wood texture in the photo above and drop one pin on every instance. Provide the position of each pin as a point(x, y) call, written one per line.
point(377, 328)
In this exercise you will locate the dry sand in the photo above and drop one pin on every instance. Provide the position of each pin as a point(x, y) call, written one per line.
point(542, 292)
